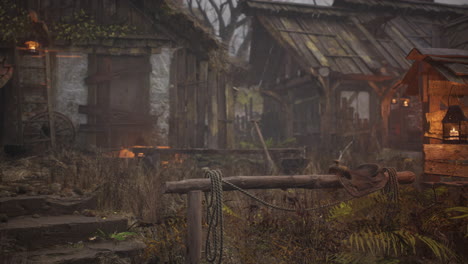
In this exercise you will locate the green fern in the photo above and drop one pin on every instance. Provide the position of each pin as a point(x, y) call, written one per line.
point(394, 244)
point(459, 209)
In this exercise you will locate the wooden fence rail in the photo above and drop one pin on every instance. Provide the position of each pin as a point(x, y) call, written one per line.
point(271, 182)
point(195, 188)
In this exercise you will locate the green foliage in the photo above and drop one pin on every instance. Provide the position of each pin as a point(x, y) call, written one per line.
point(378, 231)
point(340, 211)
point(394, 244)
point(82, 27)
point(459, 209)
point(119, 236)
point(122, 235)
point(15, 22)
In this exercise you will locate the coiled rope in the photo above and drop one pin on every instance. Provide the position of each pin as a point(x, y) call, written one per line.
point(214, 212)
point(214, 217)
point(392, 189)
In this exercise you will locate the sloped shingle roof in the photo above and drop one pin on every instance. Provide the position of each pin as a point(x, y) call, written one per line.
point(450, 63)
point(411, 6)
point(346, 41)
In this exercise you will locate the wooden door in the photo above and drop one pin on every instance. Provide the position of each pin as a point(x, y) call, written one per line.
point(118, 109)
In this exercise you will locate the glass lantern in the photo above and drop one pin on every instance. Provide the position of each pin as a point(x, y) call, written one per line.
point(32, 46)
point(455, 126)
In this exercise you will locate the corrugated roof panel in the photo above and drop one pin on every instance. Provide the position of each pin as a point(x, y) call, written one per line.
point(402, 4)
point(308, 45)
point(320, 36)
point(361, 49)
point(356, 45)
point(349, 65)
point(281, 37)
point(459, 69)
point(397, 54)
point(300, 44)
point(416, 36)
point(447, 73)
point(399, 39)
point(350, 43)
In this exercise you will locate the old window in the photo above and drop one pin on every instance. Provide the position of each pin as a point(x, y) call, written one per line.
point(355, 104)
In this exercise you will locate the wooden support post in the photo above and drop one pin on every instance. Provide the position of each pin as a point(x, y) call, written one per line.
point(50, 106)
point(194, 227)
point(213, 118)
point(272, 169)
point(16, 134)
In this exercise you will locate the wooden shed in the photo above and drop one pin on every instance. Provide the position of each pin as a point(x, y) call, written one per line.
point(162, 83)
point(329, 74)
point(440, 78)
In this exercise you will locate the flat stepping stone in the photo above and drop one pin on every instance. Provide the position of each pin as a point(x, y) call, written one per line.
point(44, 205)
point(33, 233)
point(85, 253)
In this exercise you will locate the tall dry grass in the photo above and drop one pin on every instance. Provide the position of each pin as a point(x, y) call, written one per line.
point(254, 233)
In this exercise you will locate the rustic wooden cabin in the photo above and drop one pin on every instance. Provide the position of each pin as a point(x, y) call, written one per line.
point(440, 78)
point(161, 83)
point(329, 74)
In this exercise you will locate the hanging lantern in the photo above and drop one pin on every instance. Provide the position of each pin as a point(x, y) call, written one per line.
point(32, 46)
point(455, 126)
point(405, 101)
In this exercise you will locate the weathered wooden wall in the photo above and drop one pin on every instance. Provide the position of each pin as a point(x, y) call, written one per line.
point(201, 102)
point(437, 94)
point(446, 160)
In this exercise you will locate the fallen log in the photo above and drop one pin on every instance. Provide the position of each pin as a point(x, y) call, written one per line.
point(271, 182)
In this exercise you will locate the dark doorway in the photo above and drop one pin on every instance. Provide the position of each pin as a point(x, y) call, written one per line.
point(118, 100)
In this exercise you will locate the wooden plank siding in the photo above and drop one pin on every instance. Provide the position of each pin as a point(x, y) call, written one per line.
point(199, 103)
point(446, 159)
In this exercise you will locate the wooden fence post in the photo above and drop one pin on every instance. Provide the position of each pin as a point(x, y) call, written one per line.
point(194, 227)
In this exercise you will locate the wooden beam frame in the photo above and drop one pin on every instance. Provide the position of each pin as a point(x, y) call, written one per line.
point(271, 182)
point(195, 187)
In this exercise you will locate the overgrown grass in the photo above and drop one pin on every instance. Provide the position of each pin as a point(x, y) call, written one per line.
point(359, 231)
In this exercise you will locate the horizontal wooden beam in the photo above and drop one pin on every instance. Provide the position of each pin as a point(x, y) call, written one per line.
point(307, 33)
point(448, 184)
point(296, 151)
point(271, 182)
point(447, 168)
point(438, 152)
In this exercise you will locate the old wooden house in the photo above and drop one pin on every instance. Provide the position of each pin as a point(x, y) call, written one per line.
point(330, 74)
point(440, 78)
point(162, 83)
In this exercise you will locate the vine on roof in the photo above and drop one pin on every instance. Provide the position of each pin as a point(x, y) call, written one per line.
point(82, 27)
point(18, 24)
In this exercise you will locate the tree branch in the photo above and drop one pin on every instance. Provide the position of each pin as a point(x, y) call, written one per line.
point(219, 13)
point(204, 14)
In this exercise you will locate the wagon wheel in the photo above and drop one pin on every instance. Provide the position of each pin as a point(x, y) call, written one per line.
point(36, 129)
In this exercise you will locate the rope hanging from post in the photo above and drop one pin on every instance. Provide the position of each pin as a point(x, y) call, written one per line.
point(214, 204)
point(214, 217)
point(391, 188)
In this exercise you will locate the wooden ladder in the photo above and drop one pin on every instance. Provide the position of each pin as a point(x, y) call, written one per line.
point(34, 78)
